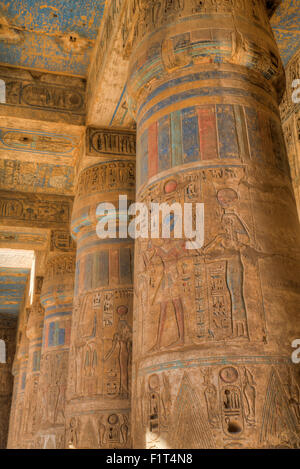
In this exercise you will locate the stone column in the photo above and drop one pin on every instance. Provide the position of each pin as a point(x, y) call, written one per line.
point(57, 299)
point(13, 408)
point(8, 329)
point(100, 357)
point(34, 333)
point(19, 370)
point(290, 114)
point(213, 325)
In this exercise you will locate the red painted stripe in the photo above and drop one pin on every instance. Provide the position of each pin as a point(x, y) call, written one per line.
point(207, 132)
point(152, 150)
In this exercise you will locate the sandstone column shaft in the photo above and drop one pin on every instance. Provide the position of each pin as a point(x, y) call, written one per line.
point(57, 299)
point(34, 333)
point(19, 370)
point(100, 358)
point(213, 326)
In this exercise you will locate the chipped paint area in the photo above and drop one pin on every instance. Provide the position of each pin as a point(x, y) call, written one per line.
point(57, 35)
point(285, 23)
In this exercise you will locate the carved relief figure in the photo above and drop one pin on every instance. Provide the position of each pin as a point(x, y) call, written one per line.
point(121, 346)
point(155, 405)
point(250, 396)
point(211, 397)
point(231, 241)
point(113, 431)
point(166, 254)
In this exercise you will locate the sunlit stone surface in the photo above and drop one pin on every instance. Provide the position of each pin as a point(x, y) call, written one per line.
point(115, 343)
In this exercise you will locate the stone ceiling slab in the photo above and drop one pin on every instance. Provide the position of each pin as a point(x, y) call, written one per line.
point(56, 35)
point(24, 238)
point(35, 210)
point(15, 267)
point(43, 96)
point(286, 26)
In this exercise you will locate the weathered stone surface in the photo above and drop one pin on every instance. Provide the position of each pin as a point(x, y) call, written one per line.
point(99, 384)
point(34, 333)
point(46, 211)
point(106, 102)
point(8, 329)
point(213, 326)
point(19, 370)
point(290, 114)
point(57, 299)
point(176, 348)
point(43, 96)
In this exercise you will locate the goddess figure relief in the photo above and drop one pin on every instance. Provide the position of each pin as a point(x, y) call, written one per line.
point(229, 244)
point(121, 347)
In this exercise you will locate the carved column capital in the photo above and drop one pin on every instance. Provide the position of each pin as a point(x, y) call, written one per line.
point(59, 277)
point(34, 328)
point(164, 37)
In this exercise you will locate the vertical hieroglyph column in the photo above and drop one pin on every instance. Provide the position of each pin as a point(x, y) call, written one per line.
point(57, 299)
point(214, 324)
point(19, 371)
point(99, 381)
point(34, 333)
point(290, 115)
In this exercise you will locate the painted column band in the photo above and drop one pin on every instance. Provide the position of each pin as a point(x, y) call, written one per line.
point(99, 387)
point(213, 326)
point(57, 299)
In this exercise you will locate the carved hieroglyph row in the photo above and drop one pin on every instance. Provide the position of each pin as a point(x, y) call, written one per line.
point(44, 95)
point(34, 210)
point(110, 142)
point(218, 407)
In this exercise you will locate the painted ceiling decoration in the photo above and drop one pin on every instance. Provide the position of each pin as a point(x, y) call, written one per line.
point(12, 289)
point(52, 35)
point(285, 23)
point(16, 267)
point(59, 35)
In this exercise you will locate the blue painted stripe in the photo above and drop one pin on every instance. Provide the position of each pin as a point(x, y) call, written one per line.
point(176, 138)
point(118, 105)
point(228, 142)
point(190, 135)
point(199, 93)
point(195, 77)
point(164, 144)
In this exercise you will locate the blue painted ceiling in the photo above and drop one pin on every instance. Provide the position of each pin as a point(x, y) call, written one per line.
point(53, 35)
point(286, 26)
point(59, 35)
point(12, 289)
